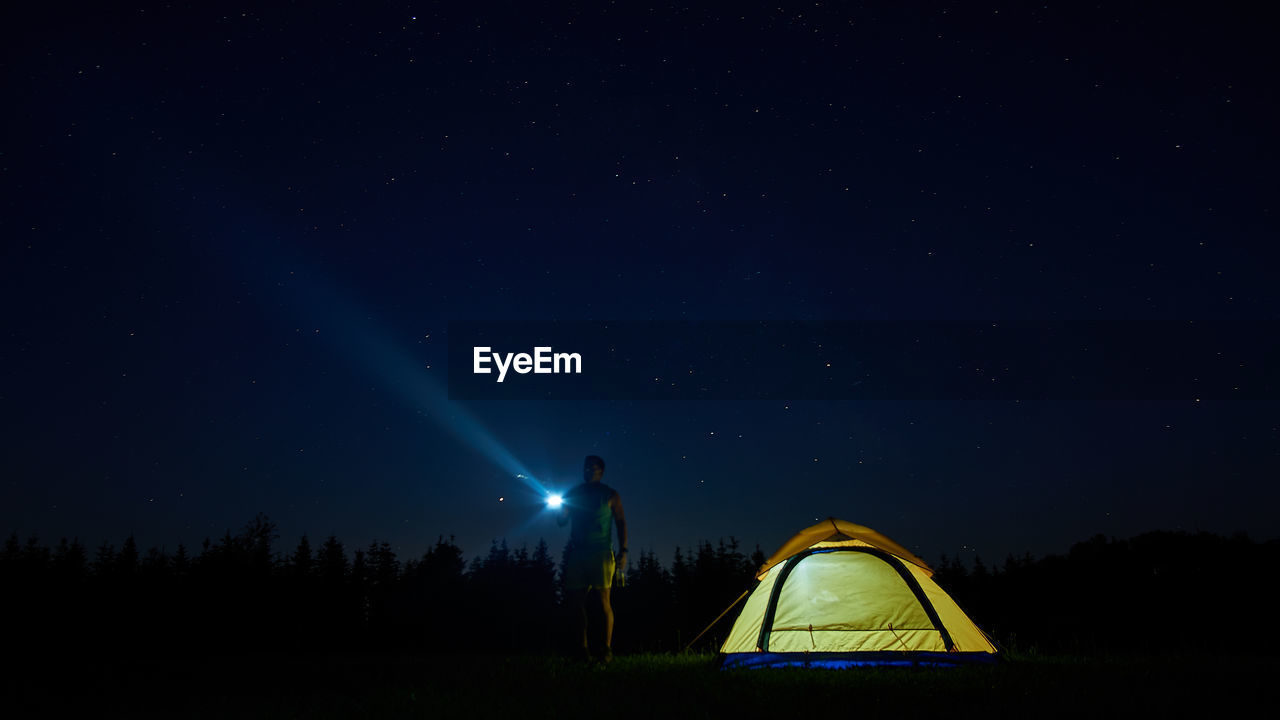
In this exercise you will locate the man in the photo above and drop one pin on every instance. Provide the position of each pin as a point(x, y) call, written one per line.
point(589, 564)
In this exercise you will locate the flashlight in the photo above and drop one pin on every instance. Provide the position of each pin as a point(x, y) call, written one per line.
point(554, 501)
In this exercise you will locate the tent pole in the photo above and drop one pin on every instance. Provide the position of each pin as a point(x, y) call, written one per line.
point(713, 622)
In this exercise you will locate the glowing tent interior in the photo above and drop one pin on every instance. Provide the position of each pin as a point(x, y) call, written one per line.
point(839, 595)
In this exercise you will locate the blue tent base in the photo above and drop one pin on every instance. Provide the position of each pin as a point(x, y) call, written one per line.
point(847, 660)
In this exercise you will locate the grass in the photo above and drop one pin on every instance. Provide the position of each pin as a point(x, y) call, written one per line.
point(648, 686)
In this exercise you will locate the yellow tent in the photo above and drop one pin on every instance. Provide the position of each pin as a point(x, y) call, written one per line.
point(839, 594)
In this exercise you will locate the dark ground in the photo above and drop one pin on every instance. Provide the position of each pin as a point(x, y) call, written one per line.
point(473, 686)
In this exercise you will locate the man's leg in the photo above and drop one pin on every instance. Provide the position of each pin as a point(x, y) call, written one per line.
point(607, 607)
point(582, 612)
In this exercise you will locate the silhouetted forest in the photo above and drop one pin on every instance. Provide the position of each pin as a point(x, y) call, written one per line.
point(1158, 592)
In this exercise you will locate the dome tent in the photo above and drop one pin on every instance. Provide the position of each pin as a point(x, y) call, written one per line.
point(840, 595)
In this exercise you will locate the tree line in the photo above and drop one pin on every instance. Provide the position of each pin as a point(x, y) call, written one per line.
point(1158, 592)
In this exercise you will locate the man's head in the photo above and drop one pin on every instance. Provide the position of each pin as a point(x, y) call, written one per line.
point(592, 469)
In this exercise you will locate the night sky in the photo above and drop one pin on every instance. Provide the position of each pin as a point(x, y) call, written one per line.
point(236, 242)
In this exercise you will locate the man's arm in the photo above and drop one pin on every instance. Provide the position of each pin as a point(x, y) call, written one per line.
point(620, 518)
point(562, 515)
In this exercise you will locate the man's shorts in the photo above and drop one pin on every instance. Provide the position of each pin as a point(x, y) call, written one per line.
point(588, 569)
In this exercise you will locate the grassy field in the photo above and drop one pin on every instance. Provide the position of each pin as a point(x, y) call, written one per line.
point(649, 686)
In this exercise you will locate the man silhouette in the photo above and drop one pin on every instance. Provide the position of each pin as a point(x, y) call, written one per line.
point(592, 508)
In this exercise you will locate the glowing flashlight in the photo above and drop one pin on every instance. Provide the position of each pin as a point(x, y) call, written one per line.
point(554, 501)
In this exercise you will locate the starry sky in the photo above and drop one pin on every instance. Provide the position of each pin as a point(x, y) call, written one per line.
point(1031, 248)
